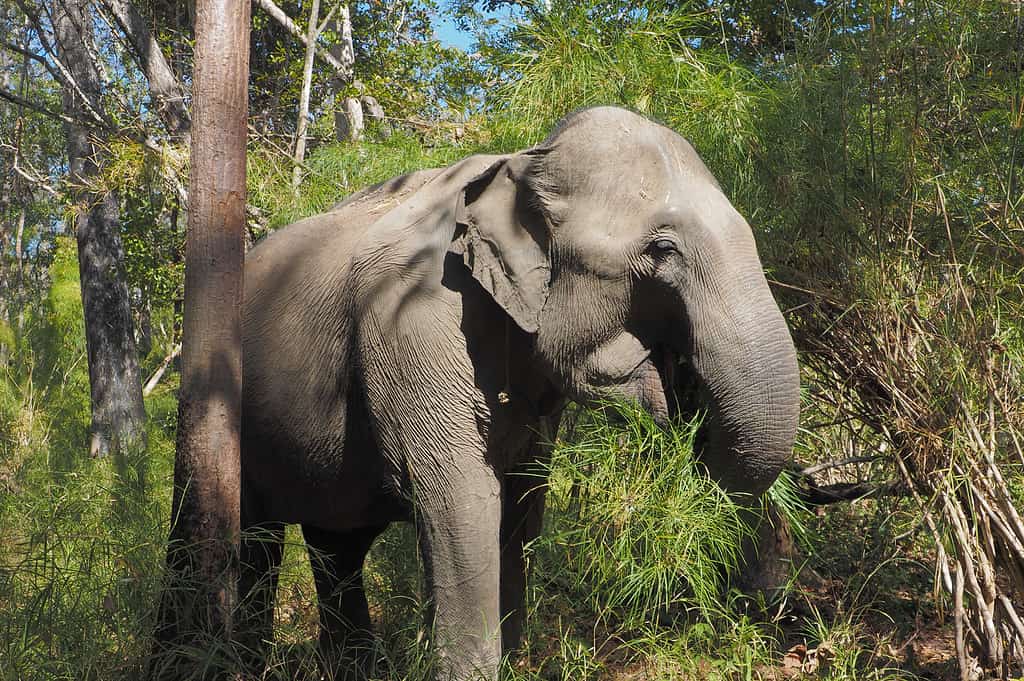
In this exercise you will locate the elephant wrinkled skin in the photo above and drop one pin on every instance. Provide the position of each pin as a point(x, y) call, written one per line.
point(404, 351)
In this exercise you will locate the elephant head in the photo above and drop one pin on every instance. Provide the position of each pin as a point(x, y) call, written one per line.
point(614, 246)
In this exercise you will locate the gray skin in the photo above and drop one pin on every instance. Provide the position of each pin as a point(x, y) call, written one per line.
point(382, 338)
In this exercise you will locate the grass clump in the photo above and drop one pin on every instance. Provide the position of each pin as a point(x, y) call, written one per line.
point(638, 525)
point(79, 563)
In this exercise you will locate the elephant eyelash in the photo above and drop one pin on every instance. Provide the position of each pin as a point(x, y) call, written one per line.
point(663, 245)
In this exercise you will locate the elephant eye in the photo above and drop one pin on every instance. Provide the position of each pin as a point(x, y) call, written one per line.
point(664, 245)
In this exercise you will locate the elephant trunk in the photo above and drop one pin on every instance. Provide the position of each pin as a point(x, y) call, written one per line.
point(745, 364)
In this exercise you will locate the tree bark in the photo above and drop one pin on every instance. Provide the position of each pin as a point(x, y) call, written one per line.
point(118, 414)
point(343, 49)
point(348, 121)
point(19, 262)
point(202, 560)
point(165, 89)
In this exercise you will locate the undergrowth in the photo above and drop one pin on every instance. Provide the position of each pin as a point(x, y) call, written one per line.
point(631, 575)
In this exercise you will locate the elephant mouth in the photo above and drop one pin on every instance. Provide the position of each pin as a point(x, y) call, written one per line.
point(658, 377)
point(678, 392)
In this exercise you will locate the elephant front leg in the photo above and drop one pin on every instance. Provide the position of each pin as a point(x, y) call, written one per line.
point(459, 521)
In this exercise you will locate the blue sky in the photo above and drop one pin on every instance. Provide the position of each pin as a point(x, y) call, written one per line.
point(446, 30)
point(449, 34)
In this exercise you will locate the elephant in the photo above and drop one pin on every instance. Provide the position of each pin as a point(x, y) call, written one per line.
point(405, 352)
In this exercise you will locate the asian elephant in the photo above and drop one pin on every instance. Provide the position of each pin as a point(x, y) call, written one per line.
point(403, 351)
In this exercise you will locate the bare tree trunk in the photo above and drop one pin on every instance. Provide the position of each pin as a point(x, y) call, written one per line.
point(6, 18)
point(118, 415)
point(154, 380)
point(307, 81)
point(19, 237)
point(15, 184)
point(8, 181)
point(348, 118)
point(198, 604)
point(348, 121)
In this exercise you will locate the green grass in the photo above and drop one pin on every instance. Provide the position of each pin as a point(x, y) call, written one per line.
point(80, 560)
point(635, 522)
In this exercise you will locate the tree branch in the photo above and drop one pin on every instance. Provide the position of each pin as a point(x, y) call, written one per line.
point(825, 465)
point(26, 53)
point(33, 179)
point(154, 380)
point(278, 15)
point(21, 101)
point(164, 87)
point(812, 494)
point(61, 74)
point(145, 141)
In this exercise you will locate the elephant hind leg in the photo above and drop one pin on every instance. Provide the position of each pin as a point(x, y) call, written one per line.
point(345, 628)
point(262, 548)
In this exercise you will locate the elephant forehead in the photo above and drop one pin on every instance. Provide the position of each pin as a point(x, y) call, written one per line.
point(604, 236)
point(613, 203)
point(603, 220)
point(624, 155)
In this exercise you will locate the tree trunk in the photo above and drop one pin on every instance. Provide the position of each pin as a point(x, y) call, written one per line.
point(307, 81)
point(19, 258)
point(202, 558)
point(348, 118)
point(348, 121)
point(118, 415)
point(343, 50)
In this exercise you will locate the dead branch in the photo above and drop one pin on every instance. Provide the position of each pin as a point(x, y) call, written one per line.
point(62, 74)
point(154, 380)
point(833, 463)
point(822, 495)
point(165, 89)
point(278, 15)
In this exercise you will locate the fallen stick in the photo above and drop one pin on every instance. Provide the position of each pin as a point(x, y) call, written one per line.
point(159, 373)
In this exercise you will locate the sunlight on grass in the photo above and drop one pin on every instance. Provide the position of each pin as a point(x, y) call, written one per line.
point(636, 520)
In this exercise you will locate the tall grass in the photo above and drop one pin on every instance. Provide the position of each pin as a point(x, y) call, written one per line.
point(80, 560)
point(577, 55)
point(641, 527)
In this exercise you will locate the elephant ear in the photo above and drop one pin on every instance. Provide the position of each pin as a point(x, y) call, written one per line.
point(503, 239)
